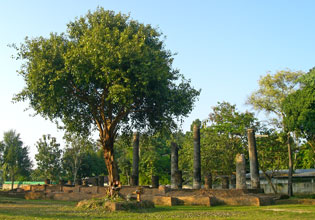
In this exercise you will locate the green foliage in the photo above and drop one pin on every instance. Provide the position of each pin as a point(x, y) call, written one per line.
point(222, 136)
point(123, 152)
point(154, 153)
point(271, 150)
point(106, 69)
point(185, 156)
point(76, 148)
point(305, 157)
point(107, 73)
point(154, 158)
point(299, 108)
point(48, 158)
point(273, 89)
point(225, 137)
point(92, 164)
point(15, 161)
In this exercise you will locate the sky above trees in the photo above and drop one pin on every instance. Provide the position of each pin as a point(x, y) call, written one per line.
point(223, 47)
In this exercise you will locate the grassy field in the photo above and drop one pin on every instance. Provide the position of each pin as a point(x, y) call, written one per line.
point(11, 208)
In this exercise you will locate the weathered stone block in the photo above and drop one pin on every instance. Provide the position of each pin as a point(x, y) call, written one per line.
point(194, 200)
point(164, 200)
point(34, 195)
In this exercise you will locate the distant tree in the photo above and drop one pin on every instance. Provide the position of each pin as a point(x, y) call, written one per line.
point(107, 72)
point(76, 148)
point(222, 136)
point(155, 157)
point(15, 158)
point(92, 164)
point(299, 108)
point(271, 153)
point(273, 90)
point(123, 152)
point(154, 150)
point(48, 158)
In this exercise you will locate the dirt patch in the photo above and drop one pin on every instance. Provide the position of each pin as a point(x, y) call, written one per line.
point(288, 210)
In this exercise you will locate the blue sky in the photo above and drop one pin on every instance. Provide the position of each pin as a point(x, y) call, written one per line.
point(222, 46)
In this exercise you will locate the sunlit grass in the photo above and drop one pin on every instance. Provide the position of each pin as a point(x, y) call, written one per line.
point(12, 208)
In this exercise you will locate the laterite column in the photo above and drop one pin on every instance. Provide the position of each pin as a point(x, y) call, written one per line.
point(253, 159)
point(135, 160)
point(197, 160)
point(240, 171)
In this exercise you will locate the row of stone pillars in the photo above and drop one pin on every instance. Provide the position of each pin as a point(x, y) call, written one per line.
point(253, 164)
point(176, 174)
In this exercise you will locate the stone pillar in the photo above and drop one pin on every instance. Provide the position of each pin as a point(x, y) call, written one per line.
point(178, 179)
point(101, 181)
point(61, 182)
point(47, 181)
point(197, 160)
point(208, 181)
point(253, 159)
point(78, 182)
point(155, 181)
point(233, 182)
point(225, 182)
point(174, 164)
point(240, 171)
point(135, 160)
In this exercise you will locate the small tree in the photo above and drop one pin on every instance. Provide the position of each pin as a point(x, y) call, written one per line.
point(48, 157)
point(76, 147)
point(273, 90)
point(15, 159)
point(107, 72)
point(225, 136)
point(271, 153)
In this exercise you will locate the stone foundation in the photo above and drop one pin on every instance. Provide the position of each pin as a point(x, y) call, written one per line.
point(159, 196)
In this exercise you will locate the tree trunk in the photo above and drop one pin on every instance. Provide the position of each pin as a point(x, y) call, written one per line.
point(270, 182)
point(290, 190)
point(111, 166)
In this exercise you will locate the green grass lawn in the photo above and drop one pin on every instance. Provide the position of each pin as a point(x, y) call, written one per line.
point(11, 208)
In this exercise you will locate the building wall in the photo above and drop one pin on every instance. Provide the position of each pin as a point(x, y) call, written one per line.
point(299, 185)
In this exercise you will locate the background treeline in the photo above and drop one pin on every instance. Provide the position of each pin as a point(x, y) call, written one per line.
point(287, 97)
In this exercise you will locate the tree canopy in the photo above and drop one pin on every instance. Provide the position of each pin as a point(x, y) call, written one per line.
point(15, 161)
point(106, 72)
point(273, 89)
point(48, 158)
point(299, 108)
point(272, 92)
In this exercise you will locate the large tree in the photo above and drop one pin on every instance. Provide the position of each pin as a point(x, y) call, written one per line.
point(273, 90)
point(299, 108)
point(15, 159)
point(107, 72)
